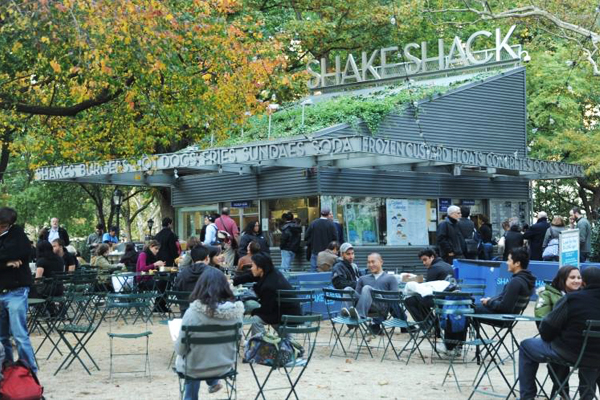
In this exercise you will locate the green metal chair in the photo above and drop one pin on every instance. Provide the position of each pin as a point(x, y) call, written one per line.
point(195, 336)
point(306, 325)
point(112, 302)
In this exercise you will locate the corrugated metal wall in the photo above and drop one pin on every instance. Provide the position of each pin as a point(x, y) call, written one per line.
point(409, 184)
point(489, 116)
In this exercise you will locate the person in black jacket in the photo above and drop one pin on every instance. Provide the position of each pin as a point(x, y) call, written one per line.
point(290, 240)
point(437, 269)
point(535, 235)
point(449, 239)
point(513, 238)
point(15, 281)
point(168, 243)
point(467, 230)
point(130, 257)
point(186, 278)
point(521, 284)
point(48, 264)
point(345, 273)
point(319, 234)
point(268, 282)
point(484, 228)
point(55, 232)
point(252, 232)
point(561, 338)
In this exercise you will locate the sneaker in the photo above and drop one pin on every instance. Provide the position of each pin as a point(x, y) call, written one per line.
point(215, 388)
point(344, 312)
point(353, 313)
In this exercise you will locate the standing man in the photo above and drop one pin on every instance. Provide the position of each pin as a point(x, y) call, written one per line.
point(95, 238)
point(319, 234)
point(437, 269)
point(535, 235)
point(56, 232)
point(290, 240)
point(585, 233)
point(449, 239)
point(227, 224)
point(15, 281)
point(168, 251)
point(467, 230)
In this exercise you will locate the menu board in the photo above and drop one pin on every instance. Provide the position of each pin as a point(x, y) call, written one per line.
point(407, 222)
point(361, 223)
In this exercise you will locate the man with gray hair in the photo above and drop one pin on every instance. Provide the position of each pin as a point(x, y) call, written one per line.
point(585, 233)
point(449, 239)
point(319, 234)
point(535, 235)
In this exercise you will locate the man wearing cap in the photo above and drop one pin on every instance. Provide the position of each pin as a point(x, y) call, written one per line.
point(319, 234)
point(345, 274)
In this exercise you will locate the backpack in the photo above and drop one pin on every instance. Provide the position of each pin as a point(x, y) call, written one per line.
point(19, 383)
point(551, 249)
point(271, 350)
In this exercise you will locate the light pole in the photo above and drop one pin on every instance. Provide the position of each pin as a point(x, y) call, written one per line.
point(150, 224)
point(272, 108)
point(307, 102)
point(117, 198)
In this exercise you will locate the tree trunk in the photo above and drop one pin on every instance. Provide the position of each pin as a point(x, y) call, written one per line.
point(166, 209)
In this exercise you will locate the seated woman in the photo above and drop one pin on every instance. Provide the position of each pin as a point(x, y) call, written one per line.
point(100, 260)
point(567, 279)
point(268, 282)
point(186, 261)
point(252, 232)
point(212, 304)
point(147, 262)
point(216, 257)
point(130, 257)
point(48, 265)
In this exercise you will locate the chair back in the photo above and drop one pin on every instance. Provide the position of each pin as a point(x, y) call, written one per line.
point(303, 298)
point(307, 325)
point(453, 303)
point(591, 331)
point(179, 298)
point(475, 289)
point(336, 298)
point(521, 305)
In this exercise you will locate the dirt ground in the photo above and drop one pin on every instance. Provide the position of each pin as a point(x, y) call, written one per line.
point(325, 378)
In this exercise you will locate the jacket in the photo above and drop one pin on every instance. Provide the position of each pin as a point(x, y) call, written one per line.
point(209, 360)
point(564, 325)
point(249, 237)
point(186, 278)
point(266, 291)
point(101, 262)
point(585, 235)
point(439, 270)
point(168, 251)
point(552, 233)
point(326, 259)
point(62, 234)
point(319, 234)
point(291, 234)
point(485, 232)
point(344, 274)
point(535, 235)
point(521, 284)
point(466, 227)
point(513, 238)
point(14, 245)
point(130, 259)
point(449, 239)
point(548, 296)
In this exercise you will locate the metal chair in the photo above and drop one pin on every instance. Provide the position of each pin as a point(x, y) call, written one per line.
point(307, 325)
point(335, 299)
point(221, 334)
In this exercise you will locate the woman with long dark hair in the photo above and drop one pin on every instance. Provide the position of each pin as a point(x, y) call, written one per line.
point(567, 280)
point(130, 257)
point(216, 257)
point(213, 303)
point(48, 265)
point(252, 232)
point(148, 261)
point(100, 259)
point(268, 281)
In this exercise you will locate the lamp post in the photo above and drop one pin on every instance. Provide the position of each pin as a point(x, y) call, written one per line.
point(150, 224)
point(117, 198)
point(272, 108)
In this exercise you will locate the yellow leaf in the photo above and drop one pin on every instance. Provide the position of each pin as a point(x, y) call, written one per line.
point(55, 66)
point(44, 39)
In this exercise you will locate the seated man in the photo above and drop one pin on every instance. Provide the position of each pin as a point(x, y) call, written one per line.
point(58, 247)
point(378, 279)
point(437, 269)
point(345, 273)
point(188, 277)
point(561, 338)
point(328, 257)
point(521, 284)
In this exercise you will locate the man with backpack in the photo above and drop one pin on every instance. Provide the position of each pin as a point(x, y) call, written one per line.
point(291, 234)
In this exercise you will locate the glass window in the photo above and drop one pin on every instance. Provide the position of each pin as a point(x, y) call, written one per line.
point(502, 210)
point(243, 215)
point(191, 219)
point(304, 208)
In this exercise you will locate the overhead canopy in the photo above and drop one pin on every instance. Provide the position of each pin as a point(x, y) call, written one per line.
point(347, 152)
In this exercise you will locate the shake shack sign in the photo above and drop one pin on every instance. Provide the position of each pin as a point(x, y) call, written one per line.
point(412, 59)
point(317, 150)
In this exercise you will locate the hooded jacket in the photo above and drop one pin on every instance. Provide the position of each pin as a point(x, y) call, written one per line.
point(565, 324)
point(535, 235)
point(291, 234)
point(14, 245)
point(211, 360)
point(548, 297)
point(513, 238)
point(186, 279)
point(521, 284)
point(344, 274)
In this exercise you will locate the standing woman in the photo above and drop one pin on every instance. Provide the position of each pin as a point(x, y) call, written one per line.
point(252, 232)
point(148, 261)
point(484, 228)
point(567, 280)
point(550, 243)
point(213, 303)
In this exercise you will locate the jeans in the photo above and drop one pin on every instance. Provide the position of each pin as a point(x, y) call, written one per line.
point(313, 263)
point(193, 387)
point(534, 351)
point(13, 320)
point(488, 250)
point(365, 304)
point(258, 325)
point(286, 259)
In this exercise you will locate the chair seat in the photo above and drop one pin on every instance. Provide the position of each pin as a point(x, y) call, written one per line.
point(229, 374)
point(300, 362)
point(349, 321)
point(398, 323)
point(32, 302)
point(129, 335)
point(76, 328)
